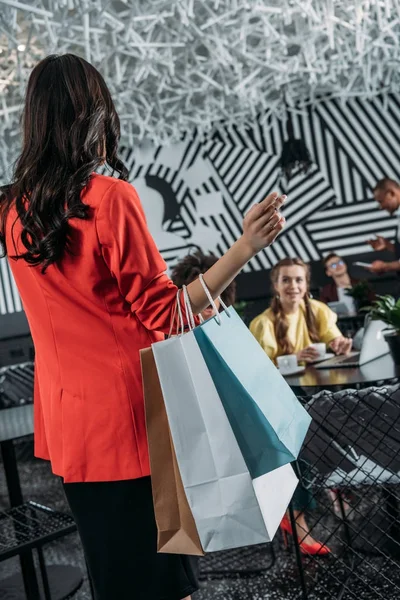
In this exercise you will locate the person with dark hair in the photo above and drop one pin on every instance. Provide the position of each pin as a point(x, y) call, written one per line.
point(336, 268)
point(95, 292)
point(190, 267)
point(291, 324)
point(387, 195)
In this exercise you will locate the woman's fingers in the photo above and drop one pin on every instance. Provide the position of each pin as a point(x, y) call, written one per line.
point(263, 223)
point(335, 345)
point(308, 354)
point(273, 232)
point(265, 210)
point(348, 345)
point(341, 345)
point(308, 358)
point(272, 222)
point(267, 202)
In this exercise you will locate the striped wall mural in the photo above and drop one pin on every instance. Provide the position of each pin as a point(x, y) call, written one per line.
point(195, 193)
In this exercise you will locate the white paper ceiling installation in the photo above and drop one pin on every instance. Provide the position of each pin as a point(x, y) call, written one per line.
point(176, 65)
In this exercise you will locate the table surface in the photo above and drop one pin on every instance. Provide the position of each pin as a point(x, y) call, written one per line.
point(380, 369)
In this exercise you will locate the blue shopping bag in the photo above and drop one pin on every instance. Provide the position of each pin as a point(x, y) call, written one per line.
point(268, 421)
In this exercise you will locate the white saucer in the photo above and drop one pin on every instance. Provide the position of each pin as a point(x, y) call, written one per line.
point(295, 371)
point(327, 356)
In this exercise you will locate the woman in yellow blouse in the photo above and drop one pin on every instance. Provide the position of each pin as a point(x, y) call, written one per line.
point(292, 323)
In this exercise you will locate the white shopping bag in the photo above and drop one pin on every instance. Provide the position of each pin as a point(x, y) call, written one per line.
point(230, 509)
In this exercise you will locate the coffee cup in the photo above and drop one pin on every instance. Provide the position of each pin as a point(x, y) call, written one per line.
point(320, 348)
point(287, 363)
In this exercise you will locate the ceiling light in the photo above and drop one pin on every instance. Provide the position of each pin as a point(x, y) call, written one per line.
point(21, 47)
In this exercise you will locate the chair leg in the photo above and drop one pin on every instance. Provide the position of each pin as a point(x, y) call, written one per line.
point(345, 522)
point(43, 572)
point(298, 555)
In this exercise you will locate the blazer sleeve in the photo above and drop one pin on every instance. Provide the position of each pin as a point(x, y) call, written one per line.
point(133, 258)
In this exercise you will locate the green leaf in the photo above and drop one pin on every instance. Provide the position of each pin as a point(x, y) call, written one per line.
point(386, 309)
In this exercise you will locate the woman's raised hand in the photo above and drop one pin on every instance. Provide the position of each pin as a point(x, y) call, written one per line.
point(263, 223)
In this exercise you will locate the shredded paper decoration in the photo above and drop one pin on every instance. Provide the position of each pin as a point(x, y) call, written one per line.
point(175, 66)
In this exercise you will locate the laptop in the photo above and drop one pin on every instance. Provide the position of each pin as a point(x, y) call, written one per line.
point(339, 308)
point(373, 346)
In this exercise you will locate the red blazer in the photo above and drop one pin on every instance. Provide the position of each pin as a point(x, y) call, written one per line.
point(89, 316)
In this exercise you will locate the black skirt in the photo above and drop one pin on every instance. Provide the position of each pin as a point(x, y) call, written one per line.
point(117, 528)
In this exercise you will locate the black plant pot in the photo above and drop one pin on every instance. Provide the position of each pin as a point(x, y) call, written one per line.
point(393, 339)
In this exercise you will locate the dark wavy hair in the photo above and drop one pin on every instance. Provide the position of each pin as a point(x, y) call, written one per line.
point(190, 267)
point(70, 129)
point(281, 325)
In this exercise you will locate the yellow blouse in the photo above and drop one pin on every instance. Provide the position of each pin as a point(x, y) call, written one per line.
point(262, 327)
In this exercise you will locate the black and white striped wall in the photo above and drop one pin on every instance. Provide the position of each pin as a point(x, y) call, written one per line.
point(196, 192)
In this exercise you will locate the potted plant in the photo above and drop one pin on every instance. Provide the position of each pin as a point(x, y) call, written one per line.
point(361, 292)
point(387, 309)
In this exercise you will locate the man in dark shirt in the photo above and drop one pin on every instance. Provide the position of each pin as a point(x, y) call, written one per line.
point(387, 194)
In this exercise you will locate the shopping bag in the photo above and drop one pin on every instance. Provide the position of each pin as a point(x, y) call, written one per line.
point(268, 421)
point(177, 532)
point(230, 509)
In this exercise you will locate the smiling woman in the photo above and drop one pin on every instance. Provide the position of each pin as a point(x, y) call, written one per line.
point(294, 321)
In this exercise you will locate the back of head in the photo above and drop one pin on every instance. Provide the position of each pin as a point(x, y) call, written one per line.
point(383, 184)
point(70, 128)
point(190, 267)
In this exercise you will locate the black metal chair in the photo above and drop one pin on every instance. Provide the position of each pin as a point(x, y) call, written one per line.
point(353, 452)
point(30, 526)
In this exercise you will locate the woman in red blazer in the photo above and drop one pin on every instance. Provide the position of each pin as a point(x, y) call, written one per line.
point(95, 292)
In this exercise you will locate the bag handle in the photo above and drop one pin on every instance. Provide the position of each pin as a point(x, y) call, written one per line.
point(177, 317)
point(188, 306)
point(210, 298)
point(212, 303)
point(188, 309)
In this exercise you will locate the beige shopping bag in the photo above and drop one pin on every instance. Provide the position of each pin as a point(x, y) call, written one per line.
point(177, 532)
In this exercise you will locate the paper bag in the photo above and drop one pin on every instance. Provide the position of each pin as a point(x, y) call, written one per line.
point(177, 532)
point(230, 509)
point(269, 422)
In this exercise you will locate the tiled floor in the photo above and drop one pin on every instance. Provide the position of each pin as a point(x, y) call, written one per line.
point(372, 580)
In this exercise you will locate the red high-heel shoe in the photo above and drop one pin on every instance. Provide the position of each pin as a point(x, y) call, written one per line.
point(316, 548)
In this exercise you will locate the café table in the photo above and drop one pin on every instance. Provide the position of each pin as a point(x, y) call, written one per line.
point(379, 371)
